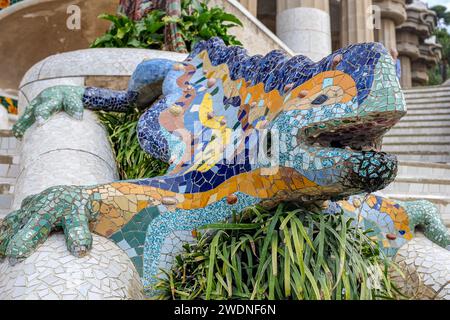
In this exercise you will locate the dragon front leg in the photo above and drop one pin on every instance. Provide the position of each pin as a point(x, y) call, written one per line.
point(425, 215)
point(145, 85)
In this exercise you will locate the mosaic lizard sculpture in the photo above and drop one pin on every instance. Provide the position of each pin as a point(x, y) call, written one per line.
point(326, 121)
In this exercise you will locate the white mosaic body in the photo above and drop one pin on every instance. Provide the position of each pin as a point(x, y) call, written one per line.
point(173, 246)
point(64, 151)
point(426, 268)
point(53, 273)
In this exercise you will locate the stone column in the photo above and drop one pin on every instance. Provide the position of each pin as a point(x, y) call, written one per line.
point(304, 25)
point(387, 34)
point(411, 35)
point(392, 14)
point(251, 6)
point(356, 24)
point(406, 78)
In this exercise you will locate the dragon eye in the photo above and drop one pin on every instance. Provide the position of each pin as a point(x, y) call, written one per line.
point(320, 99)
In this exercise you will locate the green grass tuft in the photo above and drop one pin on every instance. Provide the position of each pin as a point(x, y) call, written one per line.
point(132, 161)
point(289, 253)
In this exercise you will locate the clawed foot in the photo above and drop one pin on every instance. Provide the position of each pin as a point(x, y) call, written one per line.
point(49, 102)
point(64, 207)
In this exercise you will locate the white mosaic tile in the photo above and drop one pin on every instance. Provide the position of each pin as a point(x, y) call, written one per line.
point(62, 277)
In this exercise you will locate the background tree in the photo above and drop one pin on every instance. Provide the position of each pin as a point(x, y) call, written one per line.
point(443, 37)
point(442, 14)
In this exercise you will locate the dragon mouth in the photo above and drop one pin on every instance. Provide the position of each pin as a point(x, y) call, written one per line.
point(352, 134)
point(366, 168)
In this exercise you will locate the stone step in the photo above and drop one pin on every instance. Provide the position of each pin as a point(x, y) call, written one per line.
point(4, 213)
point(7, 143)
point(416, 147)
point(426, 89)
point(5, 180)
point(6, 188)
point(427, 106)
point(9, 170)
point(423, 169)
point(419, 130)
point(426, 99)
point(6, 159)
point(442, 202)
point(6, 201)
point(420, 185)
point(430, 94)
point(411, 139)
point(428, 112)
point(442, 96)
point(421, 157)
point(426, 117)
point(417, 123)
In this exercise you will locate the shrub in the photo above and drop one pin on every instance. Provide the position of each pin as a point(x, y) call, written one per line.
point(132, 161)
point(197, 22)
point(285, 254)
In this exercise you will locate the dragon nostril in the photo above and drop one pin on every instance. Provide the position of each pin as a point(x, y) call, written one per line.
point(336, 61)
point(373, 171)
point(320, 99)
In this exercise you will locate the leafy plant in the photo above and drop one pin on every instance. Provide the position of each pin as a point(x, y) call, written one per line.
point(197, 22)
point(443, 38)
point(442, 14)
point(286, 254)
point(132, 161)
point(126, 33)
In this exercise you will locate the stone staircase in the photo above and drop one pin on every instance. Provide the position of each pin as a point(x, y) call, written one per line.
point(9, 170)
point(421, 140)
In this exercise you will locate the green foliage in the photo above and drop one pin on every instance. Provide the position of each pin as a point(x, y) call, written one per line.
point(442, 14)
point(435, 76)
point(197, 22)
point(126, 33)
point(443, 37)
point(285, 254)
point(132, 161)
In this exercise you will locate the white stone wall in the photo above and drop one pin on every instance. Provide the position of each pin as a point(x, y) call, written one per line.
point(65, 151)
point(4, 123)
point(306, 31)
point(254, 35)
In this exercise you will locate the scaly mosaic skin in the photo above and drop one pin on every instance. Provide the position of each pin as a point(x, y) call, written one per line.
point(326, 122)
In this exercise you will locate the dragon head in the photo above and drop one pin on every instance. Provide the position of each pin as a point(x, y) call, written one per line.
point(329, 117)
point(342, 109)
